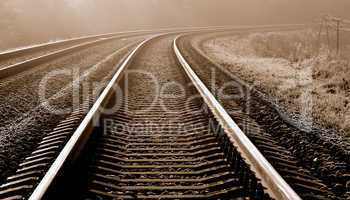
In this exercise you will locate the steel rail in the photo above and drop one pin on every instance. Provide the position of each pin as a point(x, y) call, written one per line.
point(83, 131)
point(275, 185)
point(7, 54)
point(12, 53)
point(24, 65)
point(24, 50)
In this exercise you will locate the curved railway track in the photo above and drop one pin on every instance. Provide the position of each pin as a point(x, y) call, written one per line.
point(283, 144)
point(17, 60)
point(171, 146)
point(14, 61)
point(11, 57)
point(52, 45)
point(25, 119)
point(31, 57)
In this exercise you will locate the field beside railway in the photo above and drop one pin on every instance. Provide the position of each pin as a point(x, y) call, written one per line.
point(294, 69)
point(137, 142)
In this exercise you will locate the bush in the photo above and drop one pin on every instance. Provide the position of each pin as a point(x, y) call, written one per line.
point(294, 46)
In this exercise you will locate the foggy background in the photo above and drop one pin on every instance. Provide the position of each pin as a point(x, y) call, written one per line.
point(23, 22)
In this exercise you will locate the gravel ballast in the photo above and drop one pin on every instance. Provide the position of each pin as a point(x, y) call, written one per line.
point(37, 53)
point(24, 117)
point(319, 151)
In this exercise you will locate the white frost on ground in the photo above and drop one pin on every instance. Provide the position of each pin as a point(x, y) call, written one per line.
point(284, 66)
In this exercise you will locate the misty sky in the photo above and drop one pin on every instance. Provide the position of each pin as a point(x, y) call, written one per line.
point(136, 14)
point(26, 21)
point(167, 13)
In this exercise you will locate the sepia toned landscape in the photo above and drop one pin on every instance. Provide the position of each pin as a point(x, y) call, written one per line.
point(287, 65)
point(175, 99)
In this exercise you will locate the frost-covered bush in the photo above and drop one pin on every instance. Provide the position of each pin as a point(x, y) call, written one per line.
point(293, 46)
point(293, 68)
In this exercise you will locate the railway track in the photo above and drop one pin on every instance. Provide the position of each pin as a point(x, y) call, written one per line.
point(15, 61)
point(12, 57)
point(52, 45)
point(151, 146)
point(161, 149)
point(282, 144)
point(25, 119)
point(28, 58)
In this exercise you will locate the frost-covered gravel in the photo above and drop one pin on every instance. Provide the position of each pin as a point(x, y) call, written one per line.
point(24, 119)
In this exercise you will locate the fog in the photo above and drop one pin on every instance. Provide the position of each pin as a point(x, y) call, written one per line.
point(26, 21)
